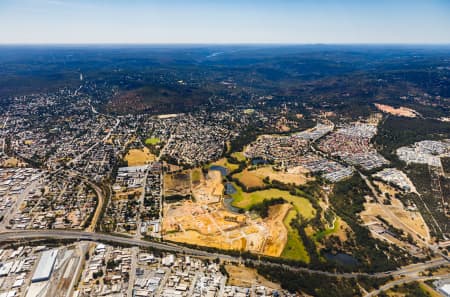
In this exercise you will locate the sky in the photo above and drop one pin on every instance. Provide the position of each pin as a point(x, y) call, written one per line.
point(223, 22)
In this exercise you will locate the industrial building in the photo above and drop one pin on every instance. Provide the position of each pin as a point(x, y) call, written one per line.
point(44, 268)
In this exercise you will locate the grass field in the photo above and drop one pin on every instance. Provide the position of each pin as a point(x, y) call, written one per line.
point(294, 249)
point(249, 178)
point(196, 175)
point(152, 141)
point(322, 234)
point(137, 157)
point(246, 200)
point(254, 178)
point(239, 156)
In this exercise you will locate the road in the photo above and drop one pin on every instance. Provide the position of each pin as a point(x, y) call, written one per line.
point(20, 235)
point(100, 198)
point(402, 281)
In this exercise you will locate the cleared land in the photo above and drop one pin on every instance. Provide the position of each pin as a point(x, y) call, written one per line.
point(178, 183)
point(12, 162)
point(244, 276)
point(212, 225)
point(278, 235)
point(203, 225)
point(401, 111)
point(209, 188)
point(413, 219)
point(205, 221)
point(138, 157)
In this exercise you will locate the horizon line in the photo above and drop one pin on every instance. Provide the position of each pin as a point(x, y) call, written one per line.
point(226, 44)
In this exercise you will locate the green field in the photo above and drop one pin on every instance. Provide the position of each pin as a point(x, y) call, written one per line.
point(152, 141)
point(322, 234)
point(196, 175)
point(238, 156)
point(294, 249)
point(245, 200)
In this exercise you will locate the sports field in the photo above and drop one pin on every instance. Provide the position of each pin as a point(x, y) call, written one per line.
point(152, 141)
point(138, 157)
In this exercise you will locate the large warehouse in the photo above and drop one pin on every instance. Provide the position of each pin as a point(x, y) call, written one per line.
point(45, 266)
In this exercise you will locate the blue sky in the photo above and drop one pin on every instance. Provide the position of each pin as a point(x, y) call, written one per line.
point(230, 21)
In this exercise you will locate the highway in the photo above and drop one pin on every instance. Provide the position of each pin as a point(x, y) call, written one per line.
point(402, 281)
point(26, 235)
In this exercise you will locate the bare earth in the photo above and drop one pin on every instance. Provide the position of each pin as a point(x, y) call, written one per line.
point(138, 157)
point(401, 111)
point(212, 225)
point(411, 218)
point(209, 189)
point(278, 235)
point(244, 276)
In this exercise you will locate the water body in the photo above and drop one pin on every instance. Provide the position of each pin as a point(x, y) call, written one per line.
point(259, 161)
point(342, 259)
point(222, 169)
point(227, 202)
point(230, 189)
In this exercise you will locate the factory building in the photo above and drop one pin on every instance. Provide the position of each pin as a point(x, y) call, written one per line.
point(44, 268)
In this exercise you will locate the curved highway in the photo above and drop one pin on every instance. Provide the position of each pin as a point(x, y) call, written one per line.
point(21, 235)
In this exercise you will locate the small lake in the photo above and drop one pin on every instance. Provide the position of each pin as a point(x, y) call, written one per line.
point(222, 169)
point(259, 161)
point(342, 259)
point(227, 202)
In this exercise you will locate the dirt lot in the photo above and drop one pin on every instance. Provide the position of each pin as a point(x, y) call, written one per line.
point(138, 157)
point(209, 188)
point(401, 111)
point(277, 237)
point(244, 276)
point(177, 183)
point(212, 225)
point(411, 218)
point(12, 162)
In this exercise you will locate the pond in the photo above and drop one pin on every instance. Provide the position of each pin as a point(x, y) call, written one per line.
point(227, 202)
point(259, 161)
point(222, 169)
point(342, 259)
